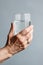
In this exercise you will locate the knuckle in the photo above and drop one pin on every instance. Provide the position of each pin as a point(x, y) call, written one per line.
point(25, 46)
point(21, 38)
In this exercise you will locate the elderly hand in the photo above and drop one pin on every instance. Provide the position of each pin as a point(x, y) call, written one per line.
point(19, 42)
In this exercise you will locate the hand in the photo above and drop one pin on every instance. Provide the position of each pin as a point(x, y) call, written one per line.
point(19, 42)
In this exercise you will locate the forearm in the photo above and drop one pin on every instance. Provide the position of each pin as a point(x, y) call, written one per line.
point(9, 51)
point(4, 54)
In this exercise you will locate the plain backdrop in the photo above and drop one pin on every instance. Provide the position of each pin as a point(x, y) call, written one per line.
point(33, 55)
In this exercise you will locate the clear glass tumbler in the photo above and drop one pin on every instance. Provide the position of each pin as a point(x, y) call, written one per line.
point(21, 21)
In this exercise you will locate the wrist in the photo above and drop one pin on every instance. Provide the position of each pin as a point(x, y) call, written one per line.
point(11, 50)
point(7, 51)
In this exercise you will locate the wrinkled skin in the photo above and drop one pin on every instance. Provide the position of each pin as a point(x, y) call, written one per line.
point(17, 43)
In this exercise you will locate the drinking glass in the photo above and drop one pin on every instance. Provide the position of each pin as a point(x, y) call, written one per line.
point(21, 21)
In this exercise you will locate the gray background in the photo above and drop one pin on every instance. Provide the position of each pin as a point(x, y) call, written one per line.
point(33, 55)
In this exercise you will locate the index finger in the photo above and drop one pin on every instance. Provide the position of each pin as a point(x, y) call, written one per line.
point(27, 30)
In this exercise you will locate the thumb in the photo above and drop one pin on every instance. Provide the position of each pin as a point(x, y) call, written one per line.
point(12, 28)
